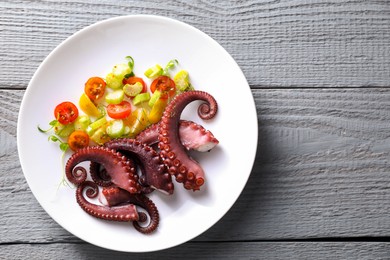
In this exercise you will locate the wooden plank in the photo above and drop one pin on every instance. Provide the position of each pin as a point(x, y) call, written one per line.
point(276, 43)
point(326, 153)
point(22, 216)
point(235, 250)
point(321, 171)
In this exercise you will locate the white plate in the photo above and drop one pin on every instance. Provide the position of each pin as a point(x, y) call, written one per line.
point(149, 40)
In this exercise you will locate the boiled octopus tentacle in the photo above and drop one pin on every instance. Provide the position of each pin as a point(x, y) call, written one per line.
point(117, 166)
point(149, 136)
point(112, 196)
point(185, 169)
point(125, 213)
point(192, 136)
point(99, 175)
point(154, 172)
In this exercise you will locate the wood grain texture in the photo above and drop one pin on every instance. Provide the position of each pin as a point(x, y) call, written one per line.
point(296, 43)
point(321, 171)
point(319, 72)
point(251, 250)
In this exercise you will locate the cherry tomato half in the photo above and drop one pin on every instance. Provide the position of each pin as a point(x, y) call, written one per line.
point(133, 80)
point(95, 88)
point(119, 111)
point(78, 139)
point(165, 85)
point(66, 112)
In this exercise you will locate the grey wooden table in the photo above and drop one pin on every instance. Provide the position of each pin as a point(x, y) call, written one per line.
point(320, 75)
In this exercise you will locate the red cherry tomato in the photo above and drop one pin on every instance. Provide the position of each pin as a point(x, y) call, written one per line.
point(119, 111)
point(77, 140)
point(95, 88)
point(66, 112)
point(164, 84)
point(133, 80)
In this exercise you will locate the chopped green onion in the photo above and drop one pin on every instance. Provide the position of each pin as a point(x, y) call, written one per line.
point(155, 96)
point(141, 98)
point(96, 125)
point(153, 72)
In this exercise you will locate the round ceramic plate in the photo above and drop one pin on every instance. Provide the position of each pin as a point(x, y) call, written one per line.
point(93, 51)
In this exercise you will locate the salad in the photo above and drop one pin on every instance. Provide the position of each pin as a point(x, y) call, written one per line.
point(120, 104)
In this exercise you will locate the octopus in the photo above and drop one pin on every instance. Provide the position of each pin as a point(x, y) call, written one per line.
point(192, 136)
point(118, 167)
point(113, 166)
point(124, 210)
point(185, 169)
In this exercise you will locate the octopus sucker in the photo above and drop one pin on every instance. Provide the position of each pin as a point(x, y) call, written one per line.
point(120, 173)
point(170, 129)
point(154, 172)
point(126, 212)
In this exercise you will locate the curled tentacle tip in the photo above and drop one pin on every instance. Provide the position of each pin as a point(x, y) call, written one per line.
point(92, 192)
point(78, 175)
point(142, 217)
